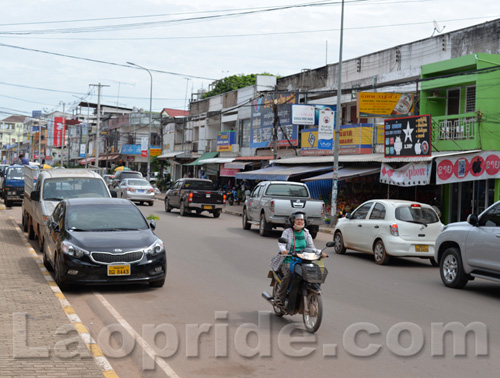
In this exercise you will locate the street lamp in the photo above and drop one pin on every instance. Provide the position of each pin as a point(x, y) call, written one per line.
point(150, 113)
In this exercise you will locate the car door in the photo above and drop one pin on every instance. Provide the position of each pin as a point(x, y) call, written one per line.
point(482, 247)
point(356, 226)
point(374, 226)
point(253, 203)
point(174, 194)
point(52, 236)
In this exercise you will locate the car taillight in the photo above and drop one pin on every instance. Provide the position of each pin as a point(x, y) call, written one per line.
point(151, 190)
point(130, 190)
point(190, 197)
point(271, 208)
point(223, 198)
point(323, 210)
point(394, 229)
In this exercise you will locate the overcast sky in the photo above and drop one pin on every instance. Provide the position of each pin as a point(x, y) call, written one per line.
point(52, 50)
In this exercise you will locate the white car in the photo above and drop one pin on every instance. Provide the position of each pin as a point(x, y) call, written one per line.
point(388, 228)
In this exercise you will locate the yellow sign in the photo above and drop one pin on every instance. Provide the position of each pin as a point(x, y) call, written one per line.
point(225, 147)
point(378, 104)
point(155, 152)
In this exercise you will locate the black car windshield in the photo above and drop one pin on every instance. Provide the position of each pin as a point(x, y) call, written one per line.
point(74, 187)
point(104, 218)
point(15, 174)
point(416, 214)
point(199, 185)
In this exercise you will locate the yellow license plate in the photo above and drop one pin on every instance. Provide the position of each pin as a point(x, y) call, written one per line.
point(118, 270)
point(206, 207)
point(421, 248)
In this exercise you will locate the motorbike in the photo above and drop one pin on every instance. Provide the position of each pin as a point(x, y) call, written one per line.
point(232, 196)
point(304, 293)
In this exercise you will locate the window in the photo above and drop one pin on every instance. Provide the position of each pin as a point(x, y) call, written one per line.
point(470, 99)
point(361, 212)
point(378, 211)
point(491, 218)
point(453, 102)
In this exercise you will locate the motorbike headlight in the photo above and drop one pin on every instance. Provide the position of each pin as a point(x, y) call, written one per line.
point(155, 248)
point(73, 250)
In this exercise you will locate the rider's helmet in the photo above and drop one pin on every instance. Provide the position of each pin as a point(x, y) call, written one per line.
point(297, 215)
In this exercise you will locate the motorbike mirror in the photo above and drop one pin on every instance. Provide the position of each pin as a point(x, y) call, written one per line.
point(283, 240)
point(330, 244)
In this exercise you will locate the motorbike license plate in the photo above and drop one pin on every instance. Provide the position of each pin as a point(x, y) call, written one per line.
point(207, 207)
point(421, 248)
point(118, 270)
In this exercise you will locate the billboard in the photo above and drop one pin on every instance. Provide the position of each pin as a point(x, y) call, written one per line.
point(385, 105)
point(407, 136)
point(468, 167)
point(262, 117)
point(59, 131)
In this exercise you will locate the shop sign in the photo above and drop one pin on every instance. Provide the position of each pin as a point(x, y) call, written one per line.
point(470, 167)
point(408, 136)
point(353, 139)
point(225, 140)
point(385, 105)
point(228, 172)
point(413, 174)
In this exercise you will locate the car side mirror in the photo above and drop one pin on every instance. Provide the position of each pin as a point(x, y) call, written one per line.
point(348, 216)
point(53, 224)
point(35, 195)
point(152, 224)
point(472, 219)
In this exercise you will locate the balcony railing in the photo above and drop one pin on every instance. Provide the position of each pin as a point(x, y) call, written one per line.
point(456, 126)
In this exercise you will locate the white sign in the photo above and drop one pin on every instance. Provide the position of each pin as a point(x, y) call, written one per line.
point(468, 167)
point(303, 114)
point(144, 144)
point(82, 150)
point(413, 174)
point(325, 129)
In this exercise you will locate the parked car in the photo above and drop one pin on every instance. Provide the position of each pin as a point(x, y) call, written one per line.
point(388, 228)
point(199, 195)
point(13, 184)
point(121, 175)
point(270, 204)
point(466, 250)
point(137, 190)
point(102, 241)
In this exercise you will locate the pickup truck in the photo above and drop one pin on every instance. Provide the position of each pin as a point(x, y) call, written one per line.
point(12, 184)
point(199, 195)
point(44, 189)
point(271, 203)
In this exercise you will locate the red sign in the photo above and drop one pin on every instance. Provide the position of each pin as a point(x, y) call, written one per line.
point(468, 167)
point(144, 153)
point(59, 131)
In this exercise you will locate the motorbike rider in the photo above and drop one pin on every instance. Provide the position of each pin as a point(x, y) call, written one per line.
point(298, 238)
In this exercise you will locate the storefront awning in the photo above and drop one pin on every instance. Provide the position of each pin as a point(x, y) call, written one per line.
point(86, 160)
point(109, 157)
point(217, 160)
point(346, 173)
point(237, 165)
point(280, 173)
point(254, 158)
point(170, 155)
point(206, 155)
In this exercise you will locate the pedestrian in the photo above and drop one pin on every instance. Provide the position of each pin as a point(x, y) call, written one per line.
point(23, 160)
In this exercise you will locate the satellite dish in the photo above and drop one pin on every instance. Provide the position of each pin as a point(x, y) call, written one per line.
point(437, 28)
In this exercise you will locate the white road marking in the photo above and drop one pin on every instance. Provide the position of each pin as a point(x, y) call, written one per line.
point(144, 345)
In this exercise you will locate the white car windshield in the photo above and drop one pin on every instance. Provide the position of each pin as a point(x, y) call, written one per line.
point(74, 187)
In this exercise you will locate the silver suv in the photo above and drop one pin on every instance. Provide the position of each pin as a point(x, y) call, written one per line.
point(466, 250)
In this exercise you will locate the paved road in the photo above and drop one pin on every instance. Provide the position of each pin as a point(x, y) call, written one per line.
point(379, 320)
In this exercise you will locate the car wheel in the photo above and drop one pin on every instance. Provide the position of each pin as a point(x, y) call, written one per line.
point(217, 213)
point(380, 254)
point(151, 203)
point(31, 231)
point(25, 223)
point(244, 220)
point(183, 209)
point(263, 226)
point(451, 269)
point(168, 208)
point(158, 283)
point(339, 243)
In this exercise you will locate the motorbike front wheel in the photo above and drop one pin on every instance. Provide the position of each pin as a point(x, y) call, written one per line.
point(313, 313)
point(277, 310)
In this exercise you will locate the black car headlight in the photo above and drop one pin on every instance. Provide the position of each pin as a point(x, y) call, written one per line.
point(73, 250)
point(155, 248)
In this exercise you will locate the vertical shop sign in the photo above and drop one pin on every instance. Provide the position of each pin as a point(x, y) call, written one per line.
point(59, 131)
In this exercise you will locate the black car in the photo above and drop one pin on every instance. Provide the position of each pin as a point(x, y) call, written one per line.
point(103, 241)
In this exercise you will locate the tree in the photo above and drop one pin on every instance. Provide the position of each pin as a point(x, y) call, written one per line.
point(232, 83)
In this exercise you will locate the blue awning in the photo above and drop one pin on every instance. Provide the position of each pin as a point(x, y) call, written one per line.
point(280, 172)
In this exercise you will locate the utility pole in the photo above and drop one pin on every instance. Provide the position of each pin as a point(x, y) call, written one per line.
point(275, 126)
point(98, 136)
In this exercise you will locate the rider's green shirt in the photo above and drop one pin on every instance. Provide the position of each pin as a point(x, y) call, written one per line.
point(298, 245)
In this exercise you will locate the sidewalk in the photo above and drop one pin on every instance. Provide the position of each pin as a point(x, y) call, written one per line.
point(238, 211)
point(38, 323)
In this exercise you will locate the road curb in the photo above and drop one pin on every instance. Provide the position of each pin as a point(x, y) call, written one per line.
point(96, 352)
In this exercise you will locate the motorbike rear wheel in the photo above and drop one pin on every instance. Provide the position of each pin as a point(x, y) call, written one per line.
point(313, 314)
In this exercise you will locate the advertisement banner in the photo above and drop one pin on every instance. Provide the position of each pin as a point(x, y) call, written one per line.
point(225, 140)
point(303, 115)
point(353, 139)
point(408, 136)
point(82, 150)
point(262, 117)
point(59, 131)
point(470, 167)
point(413, 174)
point(326, 129)
point(385, 105)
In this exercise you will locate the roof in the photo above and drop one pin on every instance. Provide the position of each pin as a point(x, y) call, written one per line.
point(72, 172)
point(279, 173)
point(174, 112)
point(329, 159)
point(250, 158)
point(14, 119)
point(346, 173)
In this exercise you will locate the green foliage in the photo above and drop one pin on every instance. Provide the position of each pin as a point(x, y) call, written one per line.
point(153, 217)
point(232, 83)
point(163, 183)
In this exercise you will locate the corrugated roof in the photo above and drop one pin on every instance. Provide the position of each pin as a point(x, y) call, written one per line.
point(329, 159)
